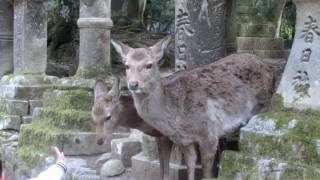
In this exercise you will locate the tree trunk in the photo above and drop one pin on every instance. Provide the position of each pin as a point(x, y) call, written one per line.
point(279, 13)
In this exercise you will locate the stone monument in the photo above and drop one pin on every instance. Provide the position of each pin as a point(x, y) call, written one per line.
point(6, 37)
point(30, 36)
point(95, 24)
point(300, 84)
point(283, 143)
point(200, 31)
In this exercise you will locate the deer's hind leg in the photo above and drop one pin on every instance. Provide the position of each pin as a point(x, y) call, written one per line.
point(208, 149)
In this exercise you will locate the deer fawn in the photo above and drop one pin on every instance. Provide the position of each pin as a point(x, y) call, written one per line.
point(110, 110)
point(200, 105)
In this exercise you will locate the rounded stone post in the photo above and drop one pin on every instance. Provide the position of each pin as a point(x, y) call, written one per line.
point(30, 36)
point(200, 32)
point(6, 37)
point(94, 24)
point(300, 83)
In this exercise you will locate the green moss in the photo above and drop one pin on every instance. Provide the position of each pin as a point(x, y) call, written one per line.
point(303, 135)
point(66, 118)
point(97, 71)
point(234, 165)
point(36, 140)
point(75, 99)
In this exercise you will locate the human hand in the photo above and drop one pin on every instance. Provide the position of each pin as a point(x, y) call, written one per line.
point(59, 154)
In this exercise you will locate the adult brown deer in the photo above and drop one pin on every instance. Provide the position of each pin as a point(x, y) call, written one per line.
point(200, 105)
point(111, 110)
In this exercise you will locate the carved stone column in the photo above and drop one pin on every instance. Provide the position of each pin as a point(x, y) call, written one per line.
point(30, 36)
point(300, 84)
point(6, 37)
point(200, 32)
point(95, 24)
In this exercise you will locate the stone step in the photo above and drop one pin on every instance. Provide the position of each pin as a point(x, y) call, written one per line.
point(272, 54)
point(290, 140)
point(254, 30)
point(143, 168)
point(69, 99)
point(10, 122)
point(259, 43)
point(25, 86)
point(19, 107)
point(236, 165)
point(124, 149)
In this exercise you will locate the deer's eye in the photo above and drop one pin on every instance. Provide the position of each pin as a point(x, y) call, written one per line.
point(108, 118)
point(126, 66)
point(148, 66)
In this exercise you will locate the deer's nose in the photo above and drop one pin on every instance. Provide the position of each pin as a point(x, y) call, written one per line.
point(133, 85)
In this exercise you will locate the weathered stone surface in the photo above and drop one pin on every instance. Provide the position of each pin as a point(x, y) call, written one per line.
point(300, 83)
point(30, 36)
point(103, 158)
point(95, 24)
point(124, 149)
point(6, 37)
point(26, 119)
point(10, 122)
point(34, 104)
point(17, 107)
point(25, 86)
point(264, 137)
point(150, 148)
point(143, 168)
point(83, 143)
point(200, 31)
point(113, 167)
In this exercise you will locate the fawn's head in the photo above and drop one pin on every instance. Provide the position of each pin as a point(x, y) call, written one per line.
point(141, 64)
point(105, 108)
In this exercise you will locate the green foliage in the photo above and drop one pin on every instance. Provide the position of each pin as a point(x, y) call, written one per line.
point(288, 22)
point(159, 16)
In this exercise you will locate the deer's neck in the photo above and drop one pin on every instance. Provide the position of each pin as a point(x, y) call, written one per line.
point(154, 108)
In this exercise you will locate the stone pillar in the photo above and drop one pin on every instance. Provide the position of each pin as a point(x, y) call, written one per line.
point(95, 24)
point(300, 83)
point(30, 36)
point(200, 31)
point(6, 37)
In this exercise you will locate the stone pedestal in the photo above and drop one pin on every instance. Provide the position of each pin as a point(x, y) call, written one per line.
point(30, 36)
point(6, 37)
point(95, 24)
point(300, 84)
point(200, 31)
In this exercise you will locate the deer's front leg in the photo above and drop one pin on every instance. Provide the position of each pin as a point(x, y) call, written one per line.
point(208, 149)
point(164, 148)
point(190, 157)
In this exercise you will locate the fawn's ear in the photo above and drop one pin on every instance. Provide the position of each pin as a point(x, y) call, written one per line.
point(121, 49)
point(157, 50)
point(115, 91)
point(100, 88)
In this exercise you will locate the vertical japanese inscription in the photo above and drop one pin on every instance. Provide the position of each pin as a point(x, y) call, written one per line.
point(184, 29)
point(309, 30)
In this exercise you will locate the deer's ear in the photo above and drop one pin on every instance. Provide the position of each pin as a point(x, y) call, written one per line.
point(157, 50)
point(115, 91)
point(121, 49)
point(100, 88)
